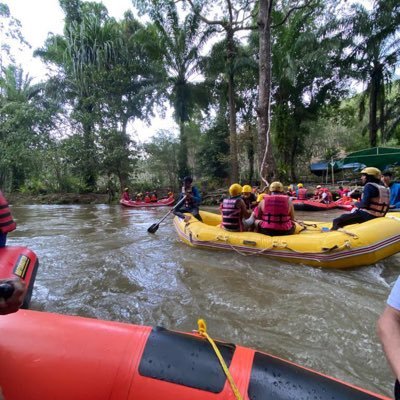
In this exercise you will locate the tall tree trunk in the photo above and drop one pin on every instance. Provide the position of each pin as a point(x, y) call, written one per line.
point(183, 168)
point(89, 163)
point(234, 172)
point(265, 156)
point(373, 105)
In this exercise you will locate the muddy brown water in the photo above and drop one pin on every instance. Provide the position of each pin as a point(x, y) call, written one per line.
point(99, 261)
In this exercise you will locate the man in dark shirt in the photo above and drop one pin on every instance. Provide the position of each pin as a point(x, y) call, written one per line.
point(374, 201)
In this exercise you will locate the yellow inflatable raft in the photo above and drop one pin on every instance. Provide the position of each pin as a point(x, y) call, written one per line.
point(353, 246)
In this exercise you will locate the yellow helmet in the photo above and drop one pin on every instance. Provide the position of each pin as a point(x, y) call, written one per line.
point(299, 185)
point(375, 172)
point(235, 189)
point(246, 189)
point(276, 187)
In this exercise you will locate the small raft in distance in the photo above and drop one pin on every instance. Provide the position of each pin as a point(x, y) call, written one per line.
point(354, 246)
point(160, 203)
point(311, 205)
point(57, 357)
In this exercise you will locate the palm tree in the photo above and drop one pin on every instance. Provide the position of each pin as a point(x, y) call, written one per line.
point(375, 56)
point(181, 44)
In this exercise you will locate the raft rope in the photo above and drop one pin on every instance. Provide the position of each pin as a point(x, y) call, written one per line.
point(202, 331)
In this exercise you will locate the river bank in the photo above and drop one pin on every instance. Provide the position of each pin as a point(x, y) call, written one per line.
point(59, 198)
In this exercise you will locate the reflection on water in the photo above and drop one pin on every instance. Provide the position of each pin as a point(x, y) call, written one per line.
point(101, 262)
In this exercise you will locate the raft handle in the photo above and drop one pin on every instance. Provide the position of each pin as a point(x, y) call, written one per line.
point(250, 242)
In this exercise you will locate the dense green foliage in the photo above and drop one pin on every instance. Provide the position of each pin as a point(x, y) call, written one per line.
point(74, 132)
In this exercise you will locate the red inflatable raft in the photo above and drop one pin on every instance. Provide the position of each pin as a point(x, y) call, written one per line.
point(22, 262)
point(310, 205)
point(160, 203)
point(54, 357)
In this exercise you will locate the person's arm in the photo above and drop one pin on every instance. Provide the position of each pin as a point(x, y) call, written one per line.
point(244, 212)
point(389, 334)
point(14, 302)
point(196, 195)
point(369, 192)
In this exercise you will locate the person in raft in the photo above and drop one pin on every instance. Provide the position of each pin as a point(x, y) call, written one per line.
point(374, 201)
point(388, 328)
point(192, 200)
point(394, 189)
point(249, 198)
point(125, 195)
point(274, 215)
point(234, 210)
point(7, 223)
point(301, 192)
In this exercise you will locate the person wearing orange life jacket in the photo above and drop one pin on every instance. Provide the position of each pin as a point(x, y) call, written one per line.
point(234, 210)
point(7, 224)
point(374, 201)
point(301, 192)
point(274, 215)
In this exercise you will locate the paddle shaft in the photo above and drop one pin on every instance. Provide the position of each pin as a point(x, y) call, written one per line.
point(171, 210)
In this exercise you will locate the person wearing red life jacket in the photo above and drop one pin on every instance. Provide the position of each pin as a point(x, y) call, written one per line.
point(301, 192)
point(7, 224)
point(234, 210)
point(125, 195)
point(274, 216)
point(317, 193)
point(374, 201)
point(326, 196)
point(153, 197)
point(147, 198)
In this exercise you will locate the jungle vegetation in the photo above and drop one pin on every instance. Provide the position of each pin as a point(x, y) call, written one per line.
point(258, 88)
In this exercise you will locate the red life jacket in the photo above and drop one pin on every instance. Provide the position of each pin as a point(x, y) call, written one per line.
point(231, 218)
point(7, 224)
point(379, 206)
point(153, 198)
point(275, 214)
point(147, 199)
point(302, 194)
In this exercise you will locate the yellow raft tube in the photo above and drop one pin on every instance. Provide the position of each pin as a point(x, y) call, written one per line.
point(353, 246)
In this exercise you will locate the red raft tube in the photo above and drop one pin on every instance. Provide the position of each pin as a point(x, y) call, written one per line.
point(54, 357)
point(160, 203)
point(310, 205)
point(22, 262)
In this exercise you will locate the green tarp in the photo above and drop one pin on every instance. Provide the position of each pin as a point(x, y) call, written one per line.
point(379, 157)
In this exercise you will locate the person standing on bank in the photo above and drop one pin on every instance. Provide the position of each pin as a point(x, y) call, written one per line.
point(388, 328)
point(7, 224)
point(374, 201)
point(192, 200)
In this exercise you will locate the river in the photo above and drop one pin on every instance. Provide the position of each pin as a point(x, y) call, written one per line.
point(99, 261)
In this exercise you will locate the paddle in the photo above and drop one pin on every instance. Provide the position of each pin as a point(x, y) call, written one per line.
point(153, 228)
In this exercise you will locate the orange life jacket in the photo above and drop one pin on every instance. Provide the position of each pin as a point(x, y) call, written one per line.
point(7, 224)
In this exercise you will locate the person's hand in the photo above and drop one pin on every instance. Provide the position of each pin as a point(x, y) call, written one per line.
point(14, 302)
point(186, 219)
